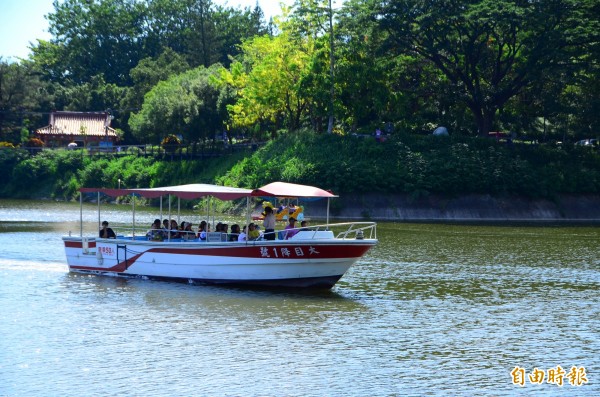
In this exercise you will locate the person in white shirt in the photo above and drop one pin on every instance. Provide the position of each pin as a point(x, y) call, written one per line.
point(202, 231)
point(242, 236)
point(269, 224)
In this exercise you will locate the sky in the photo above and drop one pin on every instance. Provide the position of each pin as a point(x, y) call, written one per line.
point(22, 22)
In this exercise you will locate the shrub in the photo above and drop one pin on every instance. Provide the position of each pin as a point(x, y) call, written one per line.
point(34, 142)
point(170, 140)
point(170, 143)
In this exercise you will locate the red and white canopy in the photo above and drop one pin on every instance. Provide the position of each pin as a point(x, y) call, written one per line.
point(199, 190)
point(186, 192)
point(292, 190)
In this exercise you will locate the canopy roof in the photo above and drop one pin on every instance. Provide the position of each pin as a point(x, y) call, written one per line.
point(187, 192)
point(199, 190)
point(284, 189)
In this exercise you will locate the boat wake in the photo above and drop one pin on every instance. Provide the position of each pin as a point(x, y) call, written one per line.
point(20, 265)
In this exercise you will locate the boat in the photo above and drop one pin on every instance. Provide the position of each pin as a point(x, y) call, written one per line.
point(315, 257)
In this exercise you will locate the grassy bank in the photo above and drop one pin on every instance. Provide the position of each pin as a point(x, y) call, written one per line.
point(422, 165)
point(407, 164)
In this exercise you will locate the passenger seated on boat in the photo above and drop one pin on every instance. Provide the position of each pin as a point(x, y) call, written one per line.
point(243, 236)
point(253, 234)
point(235, 233)
point(222, 228)
point(165, 228)
point(202, 231)
point(174, 230)
point(107, 232)
point(187, 233)
point(155, 232)
point(304, 226)
point(290, 229)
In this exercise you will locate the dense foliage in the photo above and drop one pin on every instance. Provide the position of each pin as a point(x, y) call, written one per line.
point(195, 69)
point(411, 164)
point(421, 165)
point(184, 104)
point(492, 50)
point(60, 173)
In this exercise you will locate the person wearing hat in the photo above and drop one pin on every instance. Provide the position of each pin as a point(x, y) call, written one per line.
point(290, 229)
point(107, 232)
point(187, 232)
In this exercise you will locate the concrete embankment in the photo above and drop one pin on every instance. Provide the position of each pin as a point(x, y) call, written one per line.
point(469, 208)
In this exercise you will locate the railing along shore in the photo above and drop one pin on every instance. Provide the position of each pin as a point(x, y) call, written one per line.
point(164, 152)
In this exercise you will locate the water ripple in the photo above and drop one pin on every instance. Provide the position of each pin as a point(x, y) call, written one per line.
point(434, 310)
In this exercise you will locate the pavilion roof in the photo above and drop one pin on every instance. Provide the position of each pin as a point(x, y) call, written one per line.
point(78, 124)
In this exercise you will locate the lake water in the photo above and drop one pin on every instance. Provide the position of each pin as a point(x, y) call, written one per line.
point(433, 310)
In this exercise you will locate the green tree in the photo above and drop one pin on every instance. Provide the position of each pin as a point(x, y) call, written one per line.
point(149, 71)
point(184, 104)
point(491, 50)
point(145, 76)
point(204, 33)
point(12, 96)
point(22, 95)
point(95, 95)
point(233, 26)
point(270, 82)
point(185, 26)
point(359, 61)
point(313, 20)
point(92, 37)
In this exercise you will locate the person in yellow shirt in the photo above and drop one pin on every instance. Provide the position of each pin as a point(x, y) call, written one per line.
point(253, 233)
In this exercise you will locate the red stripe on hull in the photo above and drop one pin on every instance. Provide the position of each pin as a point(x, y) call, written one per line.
point(296, 251)
point(118, 268)
point(78, 244)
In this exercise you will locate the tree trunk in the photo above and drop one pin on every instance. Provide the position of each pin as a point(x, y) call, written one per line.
point(484, 119)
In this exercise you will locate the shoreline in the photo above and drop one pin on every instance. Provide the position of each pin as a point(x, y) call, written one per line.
point(463, 209)
point(481, 209)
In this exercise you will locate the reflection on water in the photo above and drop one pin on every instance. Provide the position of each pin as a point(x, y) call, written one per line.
point(432, 310)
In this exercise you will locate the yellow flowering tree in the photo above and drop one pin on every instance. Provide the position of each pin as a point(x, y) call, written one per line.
point(269, 82)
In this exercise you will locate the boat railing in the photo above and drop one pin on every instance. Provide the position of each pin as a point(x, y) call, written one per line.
point(356, 230)
point(347, 230)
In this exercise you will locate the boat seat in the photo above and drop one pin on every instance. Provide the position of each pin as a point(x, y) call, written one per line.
point(214, 237)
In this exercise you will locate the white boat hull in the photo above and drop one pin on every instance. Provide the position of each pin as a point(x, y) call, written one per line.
point(281, 263)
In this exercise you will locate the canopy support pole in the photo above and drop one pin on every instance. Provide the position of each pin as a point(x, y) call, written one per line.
point(161, 211)
point(213, 214)
point(328, 212)
point(98, 198)
point(169, 220)
point(80, 214)
point(133, 226)
point(207, 212)
point(247, 216)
